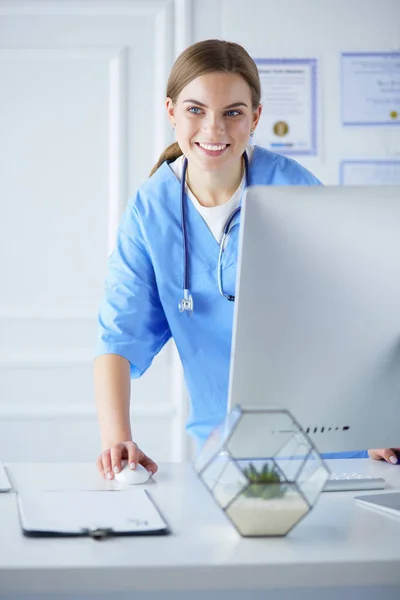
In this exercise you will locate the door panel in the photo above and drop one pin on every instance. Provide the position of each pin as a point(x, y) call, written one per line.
point(82, 122)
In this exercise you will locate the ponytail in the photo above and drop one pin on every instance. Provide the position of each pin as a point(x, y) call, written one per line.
point(170, 154)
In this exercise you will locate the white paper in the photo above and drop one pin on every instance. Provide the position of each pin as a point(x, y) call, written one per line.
point(5, 485)
point(379, 172)
point(371, 88)
point(72, 512)
point(288, 119)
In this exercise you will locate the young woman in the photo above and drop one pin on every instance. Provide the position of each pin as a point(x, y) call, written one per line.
point(182, 210)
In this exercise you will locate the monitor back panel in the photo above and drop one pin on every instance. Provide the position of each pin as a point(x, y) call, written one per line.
point(317, 314)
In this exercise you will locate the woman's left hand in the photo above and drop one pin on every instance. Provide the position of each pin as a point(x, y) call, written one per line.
point(388, 454)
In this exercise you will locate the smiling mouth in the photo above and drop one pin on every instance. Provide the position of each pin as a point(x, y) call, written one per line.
point(212, 147)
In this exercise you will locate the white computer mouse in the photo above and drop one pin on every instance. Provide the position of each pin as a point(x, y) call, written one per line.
point(130, 476)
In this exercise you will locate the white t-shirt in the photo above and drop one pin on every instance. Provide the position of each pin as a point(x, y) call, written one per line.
point(214, 216)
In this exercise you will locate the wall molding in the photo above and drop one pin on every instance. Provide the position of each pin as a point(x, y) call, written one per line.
point(176, 16)
point(29, 314)
point(117, 155)
point(183, 25)
point(83, 7)
point(61, 361)
point(163, 52)
point(39, 412)
point(57, 54)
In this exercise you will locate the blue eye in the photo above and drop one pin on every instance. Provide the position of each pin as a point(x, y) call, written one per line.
point(195, 110)
point(232, 113)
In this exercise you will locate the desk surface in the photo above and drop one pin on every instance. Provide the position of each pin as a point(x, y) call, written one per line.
point(338, 541)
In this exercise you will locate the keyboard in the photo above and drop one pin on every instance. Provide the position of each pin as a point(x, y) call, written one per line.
point(342, 482)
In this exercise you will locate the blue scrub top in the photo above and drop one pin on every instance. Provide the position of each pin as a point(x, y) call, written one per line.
point(144, 284)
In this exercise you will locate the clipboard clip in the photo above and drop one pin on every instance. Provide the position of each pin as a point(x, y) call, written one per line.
point(99, 533)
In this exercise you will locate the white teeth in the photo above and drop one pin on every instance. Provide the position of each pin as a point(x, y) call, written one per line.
point(214, 148)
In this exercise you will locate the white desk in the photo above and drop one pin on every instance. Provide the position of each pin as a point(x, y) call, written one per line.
point(340, 550)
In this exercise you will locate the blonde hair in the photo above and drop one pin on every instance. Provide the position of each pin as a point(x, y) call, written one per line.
point(209, 56)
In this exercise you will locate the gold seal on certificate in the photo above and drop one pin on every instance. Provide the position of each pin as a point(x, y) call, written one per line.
point(394, 114)
point(280, 128)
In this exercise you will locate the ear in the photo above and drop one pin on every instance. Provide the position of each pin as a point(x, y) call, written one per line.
point(256, 116)
point(169, 105)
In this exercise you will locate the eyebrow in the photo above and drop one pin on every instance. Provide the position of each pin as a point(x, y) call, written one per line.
point(234, 105)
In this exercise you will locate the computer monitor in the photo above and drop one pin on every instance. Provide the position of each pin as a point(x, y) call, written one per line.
point(317, 312)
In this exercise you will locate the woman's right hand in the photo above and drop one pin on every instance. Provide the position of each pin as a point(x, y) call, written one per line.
point(109, 461)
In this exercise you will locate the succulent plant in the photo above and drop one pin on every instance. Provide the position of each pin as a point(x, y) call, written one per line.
point(264, 484)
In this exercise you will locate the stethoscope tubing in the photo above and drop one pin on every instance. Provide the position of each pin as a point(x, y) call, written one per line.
point(186, 304)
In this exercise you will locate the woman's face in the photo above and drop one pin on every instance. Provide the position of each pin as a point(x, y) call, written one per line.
point(213, 116)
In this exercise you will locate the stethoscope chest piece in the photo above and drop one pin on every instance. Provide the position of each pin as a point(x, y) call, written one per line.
point(186, 303)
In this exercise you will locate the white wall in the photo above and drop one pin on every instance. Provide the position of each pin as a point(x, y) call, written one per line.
point(51, 123)
point(320, 29)
point(81, 122)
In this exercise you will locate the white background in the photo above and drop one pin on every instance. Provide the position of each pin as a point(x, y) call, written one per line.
point(81, 124)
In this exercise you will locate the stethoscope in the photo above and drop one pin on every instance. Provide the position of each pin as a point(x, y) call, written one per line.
point(186, 303)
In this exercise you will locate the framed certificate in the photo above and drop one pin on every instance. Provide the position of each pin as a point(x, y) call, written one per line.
point(371, 88)
point(370, 172)
point(289, 97)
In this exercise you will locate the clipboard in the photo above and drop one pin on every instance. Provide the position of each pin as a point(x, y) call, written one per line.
point(97, 514)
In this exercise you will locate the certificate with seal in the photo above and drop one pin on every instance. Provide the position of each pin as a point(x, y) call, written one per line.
point(288, 96)
point(371, 88)
point(370, 172)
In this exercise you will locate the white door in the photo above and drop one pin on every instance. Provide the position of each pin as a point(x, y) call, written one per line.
point(81, 124)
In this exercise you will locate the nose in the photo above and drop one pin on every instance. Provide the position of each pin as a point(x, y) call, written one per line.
point(213, 123)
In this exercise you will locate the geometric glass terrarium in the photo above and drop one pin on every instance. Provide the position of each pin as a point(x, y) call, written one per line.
point(262, 470)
